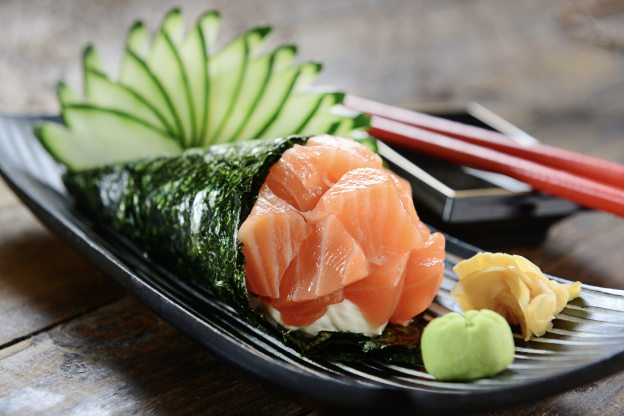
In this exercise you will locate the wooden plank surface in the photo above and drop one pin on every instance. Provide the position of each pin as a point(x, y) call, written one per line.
point(71, 342)
point(122, 359)
point(43, 282)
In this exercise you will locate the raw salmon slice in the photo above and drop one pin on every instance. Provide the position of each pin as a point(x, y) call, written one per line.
point(306, 313)
point(377, 295)
point(423, 278)
point(339, 156)
point(328, 260)
point(369, 204)
point(272, 236)
point(405, 191)
point(298, 178)
point(331, 224)
point(425, 232)
point(404, 184)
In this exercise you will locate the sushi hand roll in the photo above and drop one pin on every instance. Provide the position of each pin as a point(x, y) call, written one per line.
point(314, 233)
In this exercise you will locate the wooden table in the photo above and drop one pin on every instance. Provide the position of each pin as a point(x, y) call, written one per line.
point(72, 342)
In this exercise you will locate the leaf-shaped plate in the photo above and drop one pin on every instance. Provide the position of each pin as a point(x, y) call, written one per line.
point(585, 344)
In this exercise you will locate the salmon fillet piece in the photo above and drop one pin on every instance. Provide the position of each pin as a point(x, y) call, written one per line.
point(377, 295)
point(306, 313)
point(272, 236)
point(331, 223)
point(425, 270)
point(328, 260)
point(370, 205)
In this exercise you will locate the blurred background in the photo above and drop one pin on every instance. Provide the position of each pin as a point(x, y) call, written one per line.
point(539, 64)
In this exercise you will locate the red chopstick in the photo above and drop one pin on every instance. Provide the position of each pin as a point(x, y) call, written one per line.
point(579, 164)
point(583, 191)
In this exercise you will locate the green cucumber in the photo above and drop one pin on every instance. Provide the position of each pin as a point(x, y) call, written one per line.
point(173, 26)
point(209, 24)
point(255, 81)
point(92, 61)
point(256, 39)
point(307, 75)
point(95, 136)
point(275, 95)
point(67, 95)
point(227, 69)
point(166, 65)
point(323, 120)
point(350, 121)
point(192, 52)
point(102, 92)
point(76, 152)
point(181, 88)
point(138, 40)
point(136, 76)
point(297, 111)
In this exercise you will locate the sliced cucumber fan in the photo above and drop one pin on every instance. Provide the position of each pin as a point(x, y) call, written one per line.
point(177, 92)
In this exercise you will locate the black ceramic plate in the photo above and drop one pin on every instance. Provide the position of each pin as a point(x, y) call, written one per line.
point(587, 341)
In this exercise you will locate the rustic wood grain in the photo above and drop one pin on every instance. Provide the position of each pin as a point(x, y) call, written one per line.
point(602, 398)
point(7, 197)
point(586, 247)
point(122, 359)
point(42, 281)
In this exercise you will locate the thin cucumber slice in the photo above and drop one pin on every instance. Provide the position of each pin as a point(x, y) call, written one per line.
point(256, 39)
point(209, 24)
point(227, 69)
point(279, 75)
point(99, 137)
point(298, 109)
point(165, 63)
point(275, 95)
point(283, 57)
point(136, 76)
point(307, 76)
point(350, 121)
point(255, 81)
point(76, 152)
point(192, 53)
point(323, 121)
point(93, 61)
point(177, 88)
point(344, 129)
point(138, 40)
point(197, 68)
point(67, 95)
point(173, 26)
point(102, 92)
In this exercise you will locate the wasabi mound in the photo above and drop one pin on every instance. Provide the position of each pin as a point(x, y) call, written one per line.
point(456, 347)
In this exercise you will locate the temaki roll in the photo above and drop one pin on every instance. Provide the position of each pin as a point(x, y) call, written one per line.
point(185, 210)
point(314, 233)
point(348, 256)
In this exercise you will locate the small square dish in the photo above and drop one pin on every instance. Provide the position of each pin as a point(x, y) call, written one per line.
point(483, 208)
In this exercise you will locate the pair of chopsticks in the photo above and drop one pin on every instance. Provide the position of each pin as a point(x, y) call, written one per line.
point(585, 180)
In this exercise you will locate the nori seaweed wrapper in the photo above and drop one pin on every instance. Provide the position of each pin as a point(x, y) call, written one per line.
point(185, 211)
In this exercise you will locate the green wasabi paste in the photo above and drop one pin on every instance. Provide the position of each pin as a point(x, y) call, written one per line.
point(456, 347)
